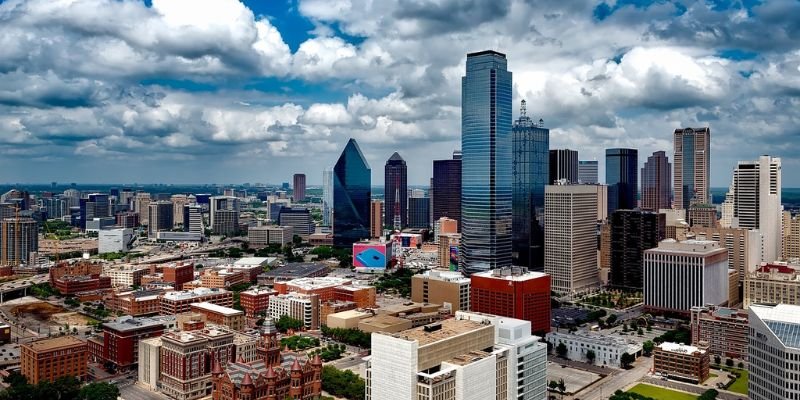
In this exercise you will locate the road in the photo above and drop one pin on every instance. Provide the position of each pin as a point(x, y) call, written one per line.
point(618, 380)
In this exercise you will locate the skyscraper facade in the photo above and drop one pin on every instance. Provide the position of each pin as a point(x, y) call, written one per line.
point(327, 196)
point(446, 185)
point(633, 232)
point(570, 248)
point(530, 171)
point(622, 178)
point(299, 188)
point(757, 202)
point(692, 166)
point(224, 215)
point(395, 192)
point(656, 188)
point(352, 191)
point(161, 217)
point(18, 238)
point(486, 174)
point(774, 351)
point(376, 219)
point(587, 172)
point(563, 165)
point(419, 212)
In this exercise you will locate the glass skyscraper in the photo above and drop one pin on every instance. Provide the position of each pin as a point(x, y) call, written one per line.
point(692, 166)
point(622, 178)
point(656, 188)
point(446, 185)
point(327, 196)
point(486, 175)
point(352, 179)
point(395, 192)
point(530, 171)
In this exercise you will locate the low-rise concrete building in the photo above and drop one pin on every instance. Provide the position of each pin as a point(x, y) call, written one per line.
point(347, 319)
point(220, 315)
point(681, 362)
point(723, 331)
point(607, 350)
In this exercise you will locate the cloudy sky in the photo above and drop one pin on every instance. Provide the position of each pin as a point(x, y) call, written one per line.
point(194, 91)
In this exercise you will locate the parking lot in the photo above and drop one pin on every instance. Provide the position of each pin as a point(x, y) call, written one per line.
point(574, 379)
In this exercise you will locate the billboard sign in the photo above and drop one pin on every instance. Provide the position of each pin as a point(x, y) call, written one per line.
point(453, 258)
point(369, 255)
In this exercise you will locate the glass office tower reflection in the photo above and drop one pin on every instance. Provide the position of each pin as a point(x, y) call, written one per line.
point(486, 176)
point(622, 178)
point(351, 196)
point(530, 170)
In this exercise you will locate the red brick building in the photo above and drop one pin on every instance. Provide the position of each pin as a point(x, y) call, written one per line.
point(515, 293)
point(136, 303)
point(74, 269)
point(73, 284)
point(258, 381)
point(178, 274)
point(255, 301)
point(178, 302)
point(49, 359)
point(121, 339)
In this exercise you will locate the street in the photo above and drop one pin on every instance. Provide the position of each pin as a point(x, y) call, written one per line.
point(617, 380)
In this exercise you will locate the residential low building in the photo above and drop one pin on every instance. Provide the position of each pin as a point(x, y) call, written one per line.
point(302, 307)
point(681, 362)
point(225, 316)
point(222, 278)
point(121, 338)
point(127, 275)
point(73, 284)
point(136, 303)
point(607, 349)
point(722, 331)
point(774, 283)
point(180, 301)
point(263, 236)
point(256, 301)
point(451, 289)
point(49, 359)
point(330, 289)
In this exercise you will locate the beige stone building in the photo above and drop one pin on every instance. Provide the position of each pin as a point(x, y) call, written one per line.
point(448, 288)
point(777, 283)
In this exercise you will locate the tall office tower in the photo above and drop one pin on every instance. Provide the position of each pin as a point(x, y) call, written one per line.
point(757, 202)
point(376, 219)
point(125, 197)
point(486, 170)
point(774, 352)
point(656, 178)
point(352, 191)
point(178, 202)
point(395, 192)
point(530, 171)
point(18, 238)
point(727, 207)
point(327, 196)
point(161, 214)
point(692, 167)
point(55, 207)
point(193, 218)
point(299, 188)
point(471, 356)
point(224, 215)
point(299, 219)
point(622, 178)
point(96, 205)
point(633, 232)
point(587, 172)
point(791, 242)
point(142, 203)
point(419, 212)
point(570, 238)
point(682, 275)
point(446, 183)
point(563, 165)
point(72, 197)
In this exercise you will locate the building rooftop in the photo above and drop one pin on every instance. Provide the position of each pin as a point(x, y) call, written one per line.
point(445, 329)
point(252, 261)
point(468, 358)
point(227, 311)
point(688, 247)
point(350, 314)
point(190, 294)
point(517, 274)
point(295, 270)
point(446, 276)
point(318, 283)
point(259, 290)
point(408, 307)
point(128, 323)
point(55, 343)
point(680, 348)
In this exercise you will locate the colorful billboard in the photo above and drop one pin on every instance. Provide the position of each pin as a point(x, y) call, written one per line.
point(453, 258)
point(369, 255)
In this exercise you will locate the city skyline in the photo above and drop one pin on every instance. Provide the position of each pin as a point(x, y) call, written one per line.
point(284, 85)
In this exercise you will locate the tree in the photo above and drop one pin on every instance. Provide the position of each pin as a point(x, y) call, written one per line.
point(740, 365)
point(717, 360)
point(561, 350)
point(729, 362)
point(562, 387)
point(590, 356)
point(640, 332)
point(99, 391)
point(611, 319)
point(709, 394)
point(342, 383)
point(626, 360)
point(285, 323)
point(647, 347)
point(553, 385)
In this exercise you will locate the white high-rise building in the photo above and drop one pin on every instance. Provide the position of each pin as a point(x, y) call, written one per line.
point(327, 197)
point(473, 356)
point(757, 202)
point(570, 237)
point(727, 207)
point(774, 352)
point(682, 275)
point(114, 240)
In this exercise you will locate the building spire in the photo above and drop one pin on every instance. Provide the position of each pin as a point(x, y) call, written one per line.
point(523, 110)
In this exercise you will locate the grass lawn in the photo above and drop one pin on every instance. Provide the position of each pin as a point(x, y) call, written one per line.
point(740, 385)
point(661, 393)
